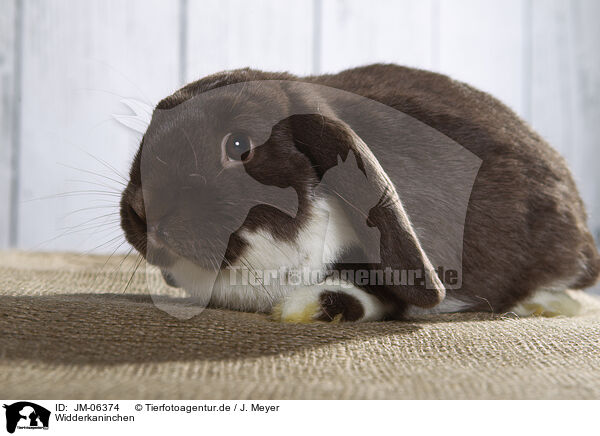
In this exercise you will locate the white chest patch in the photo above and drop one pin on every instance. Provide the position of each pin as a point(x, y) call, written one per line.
point(261, 277)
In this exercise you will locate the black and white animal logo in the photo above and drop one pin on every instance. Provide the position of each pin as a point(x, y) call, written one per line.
point(26, 415)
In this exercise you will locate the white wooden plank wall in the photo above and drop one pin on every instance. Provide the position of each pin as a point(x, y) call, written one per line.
point(586, 126)
point(565, 89)
point(8, 110)
point(270, 35)
point(482, 43)
point(358, 33)
point(77, 59)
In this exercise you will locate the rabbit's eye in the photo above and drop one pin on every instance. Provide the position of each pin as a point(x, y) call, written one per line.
point(238, 147)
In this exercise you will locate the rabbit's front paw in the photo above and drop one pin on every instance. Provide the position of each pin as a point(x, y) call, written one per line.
point(329, 303)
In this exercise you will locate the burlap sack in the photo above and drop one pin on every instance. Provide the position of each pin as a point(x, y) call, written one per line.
point(69, 329)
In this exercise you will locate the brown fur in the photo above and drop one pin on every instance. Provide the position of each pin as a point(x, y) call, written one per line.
point(339, 304)
point(525, 227)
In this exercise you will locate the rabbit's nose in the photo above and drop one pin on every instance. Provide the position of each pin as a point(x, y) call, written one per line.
point(137, 204)
point(157, 234)
point(162, 233)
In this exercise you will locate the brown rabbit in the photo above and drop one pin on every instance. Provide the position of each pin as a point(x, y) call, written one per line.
point(194, 205)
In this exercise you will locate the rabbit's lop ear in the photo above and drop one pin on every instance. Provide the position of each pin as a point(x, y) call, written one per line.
point(349, 172)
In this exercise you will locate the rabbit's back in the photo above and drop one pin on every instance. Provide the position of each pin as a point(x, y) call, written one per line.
point(525, 227)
